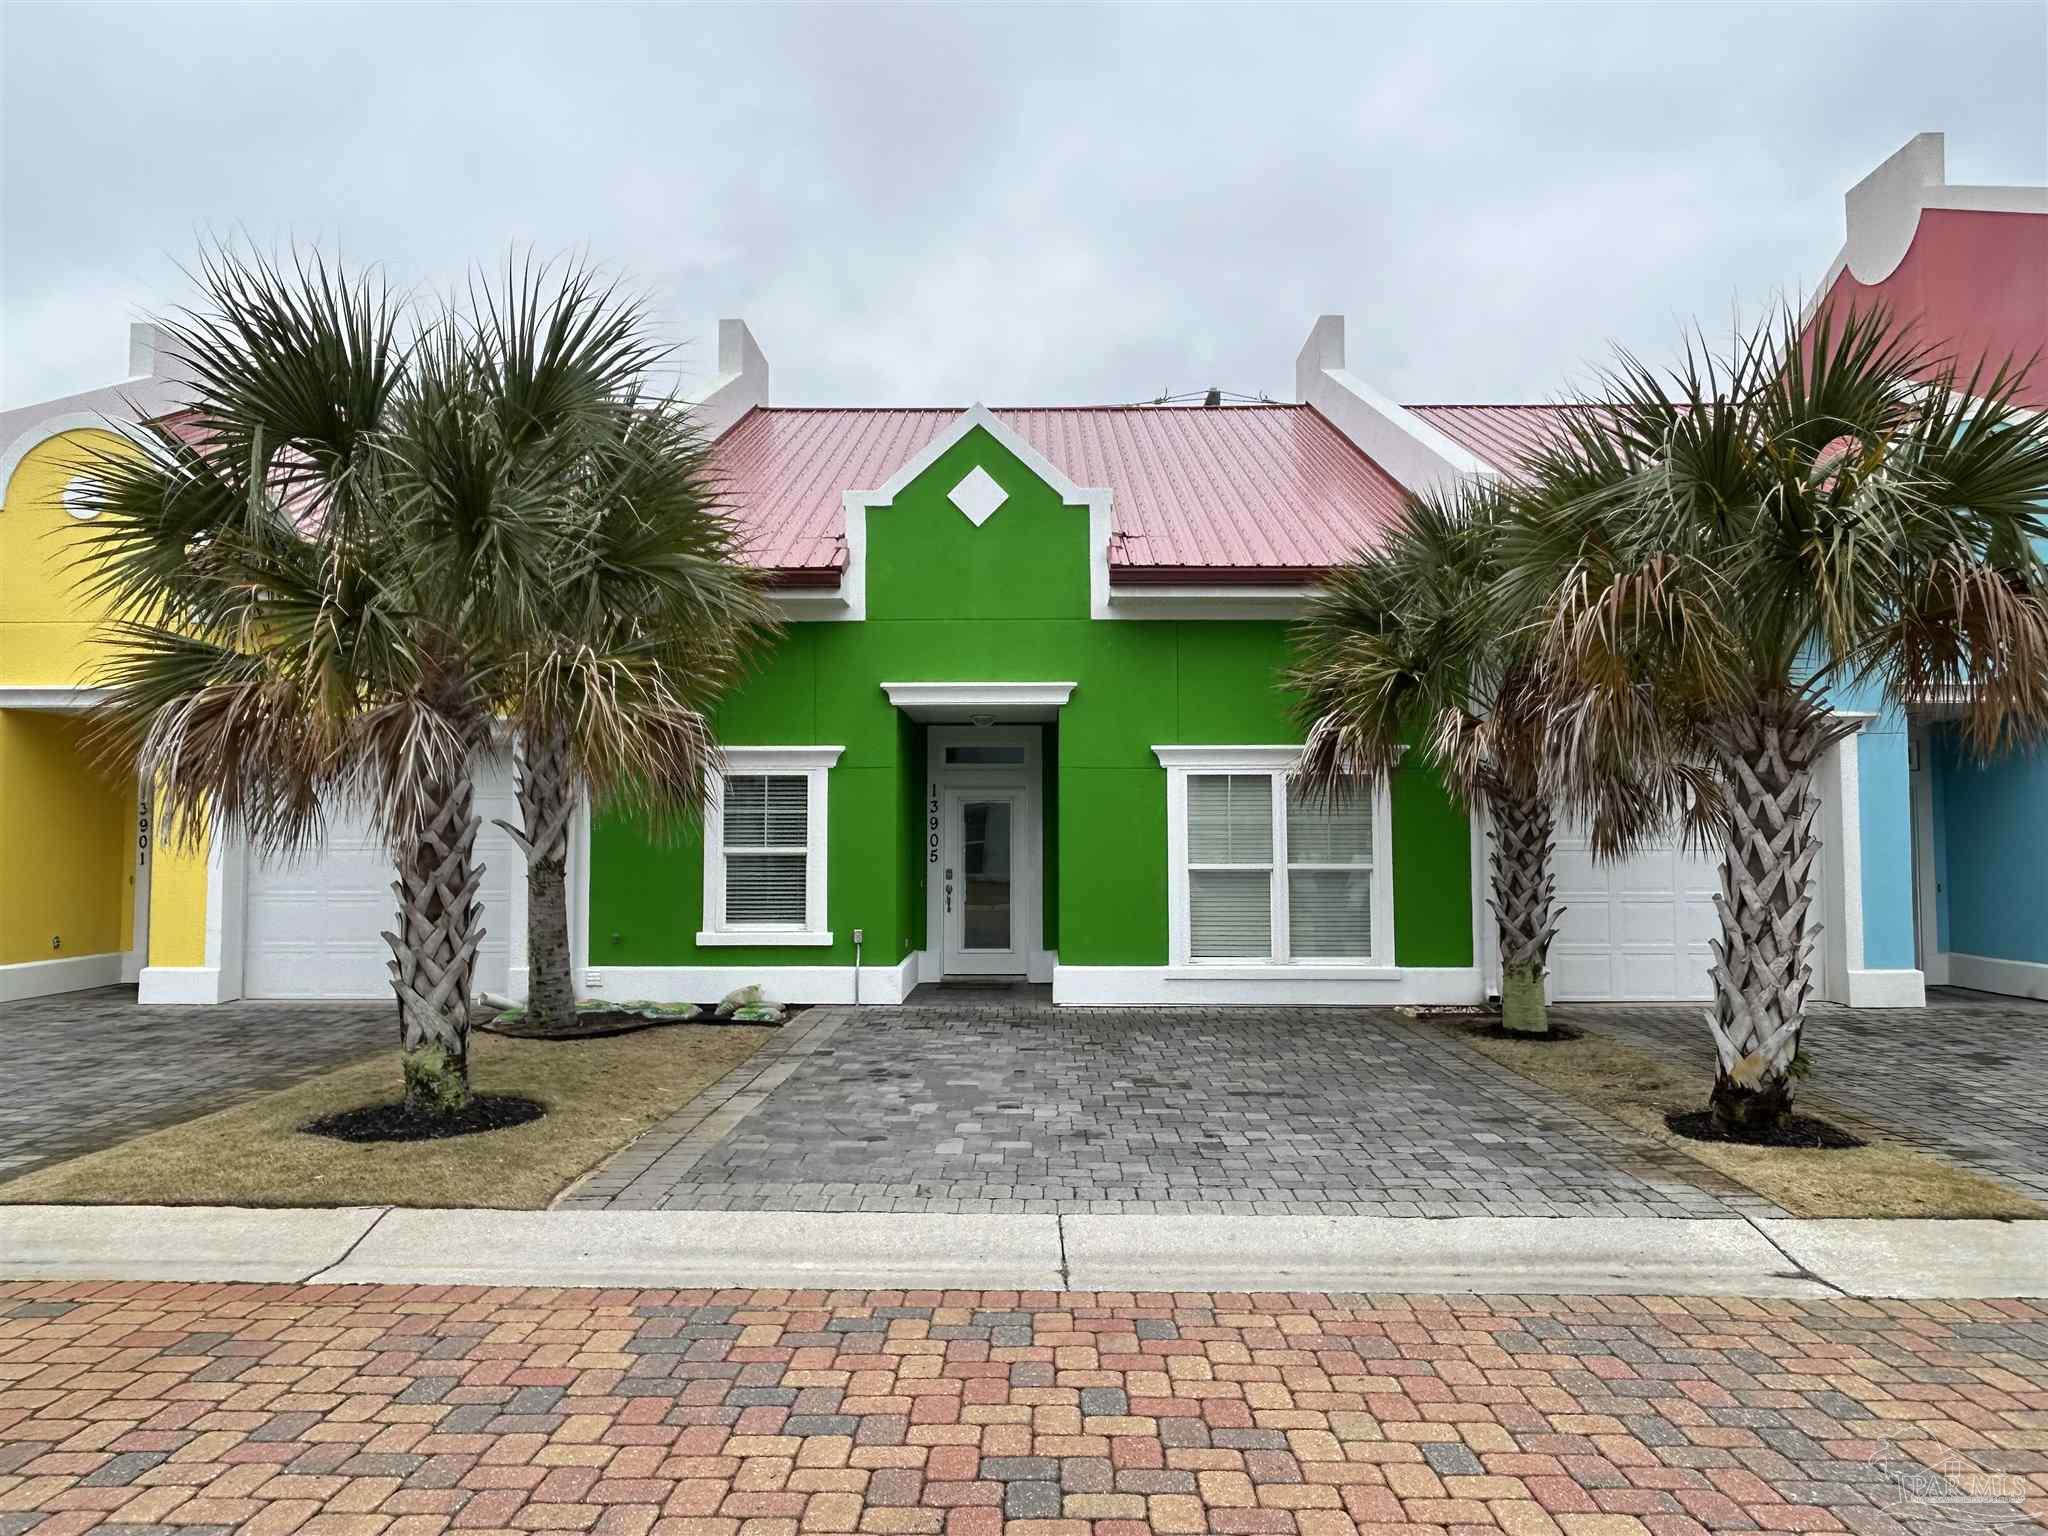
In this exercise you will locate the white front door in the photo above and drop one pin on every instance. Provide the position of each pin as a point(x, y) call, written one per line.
point(981, 861)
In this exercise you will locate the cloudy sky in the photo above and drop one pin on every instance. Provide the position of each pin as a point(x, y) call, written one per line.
point(942, 204)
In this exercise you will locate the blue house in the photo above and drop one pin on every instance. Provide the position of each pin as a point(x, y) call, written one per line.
point(1968, 265)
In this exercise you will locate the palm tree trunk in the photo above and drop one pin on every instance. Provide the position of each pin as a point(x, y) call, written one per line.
point(433, 962)
point(546, 782)
point(1524, 905)
point(1763, 969)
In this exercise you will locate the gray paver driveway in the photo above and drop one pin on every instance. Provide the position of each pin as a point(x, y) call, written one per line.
point(1294, 1111)
point(84, 1070)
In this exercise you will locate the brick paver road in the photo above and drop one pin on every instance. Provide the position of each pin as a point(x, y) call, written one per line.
point(390, 1411)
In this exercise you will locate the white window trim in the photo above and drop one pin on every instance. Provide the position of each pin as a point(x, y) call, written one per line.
point(1179, 762)
point(814, 763)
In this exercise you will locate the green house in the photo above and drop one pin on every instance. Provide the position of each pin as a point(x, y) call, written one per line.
point(1029, 719)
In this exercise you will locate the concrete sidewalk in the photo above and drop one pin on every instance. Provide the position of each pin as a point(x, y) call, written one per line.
point(1484, 1255)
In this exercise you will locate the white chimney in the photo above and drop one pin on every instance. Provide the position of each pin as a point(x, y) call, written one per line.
point(742, 381)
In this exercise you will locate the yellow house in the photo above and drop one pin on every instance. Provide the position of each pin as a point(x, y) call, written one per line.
point(88, 900)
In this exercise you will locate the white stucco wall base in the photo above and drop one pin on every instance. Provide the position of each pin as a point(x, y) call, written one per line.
point(185, 985)
point(1886, 989)
point(778, 983)
point(1982, 973)
point(45, 978)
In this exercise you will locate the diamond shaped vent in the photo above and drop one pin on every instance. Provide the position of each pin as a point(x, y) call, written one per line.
point(978, 495)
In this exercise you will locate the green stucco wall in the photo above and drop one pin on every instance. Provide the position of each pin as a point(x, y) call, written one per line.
point(1007, 601)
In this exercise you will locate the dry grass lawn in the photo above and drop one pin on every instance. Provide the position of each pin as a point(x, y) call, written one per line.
point(600, 1095)
point(1884, 1178)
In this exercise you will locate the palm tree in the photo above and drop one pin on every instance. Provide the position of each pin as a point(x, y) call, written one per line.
point(1404, 643)
point(607, 671)
point(289, 599)
point(1714, 551)
point(340, 573)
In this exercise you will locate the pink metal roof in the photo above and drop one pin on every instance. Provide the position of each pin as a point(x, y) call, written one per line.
point(1502, 435)
point(1244, 492)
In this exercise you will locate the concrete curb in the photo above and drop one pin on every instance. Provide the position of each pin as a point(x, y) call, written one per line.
point(161, 1242)
point(1918, 1259)
point(1488, 1255)
point(1642, 1255)
point(694, 1248)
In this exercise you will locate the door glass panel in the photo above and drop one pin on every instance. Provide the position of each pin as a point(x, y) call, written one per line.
point(985, 863)
point(988, 756)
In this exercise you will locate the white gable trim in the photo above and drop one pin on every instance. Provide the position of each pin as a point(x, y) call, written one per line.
point(157, 384)
point(36, 433)
point(853, 583)
point(1415, 453)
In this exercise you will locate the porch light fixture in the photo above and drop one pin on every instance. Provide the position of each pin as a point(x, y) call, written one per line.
point(982, 721)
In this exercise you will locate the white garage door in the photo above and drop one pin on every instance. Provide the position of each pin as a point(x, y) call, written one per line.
point(315, 926)
point(1634, 931)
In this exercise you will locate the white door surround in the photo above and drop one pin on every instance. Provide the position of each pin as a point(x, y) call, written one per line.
point(140, 855)
point(969, 766)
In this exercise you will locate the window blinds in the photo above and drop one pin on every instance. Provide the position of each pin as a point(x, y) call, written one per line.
point(1230, 824)
point(1329, 876)
point(766, 832)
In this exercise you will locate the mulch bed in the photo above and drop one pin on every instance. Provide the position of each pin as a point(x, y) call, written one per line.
point(588, 1026)
point(1795, 1131)
point(395, 1122)
point(1555, 1035)
point(1485, 1024)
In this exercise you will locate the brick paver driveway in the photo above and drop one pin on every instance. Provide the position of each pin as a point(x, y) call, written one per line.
point(87, 1069)
point(402, 1412)
point(1965, 1077)
point(1255, 1110)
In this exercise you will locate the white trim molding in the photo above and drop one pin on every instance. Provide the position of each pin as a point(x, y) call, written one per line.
point(1983, 973)
point(1843, 977)
point(1278, 603)
point(1881, 213)
point(141, 867)
point(68, 973)
point(219, 979)
point(56, 698)
point(158, 383)
point(1159, 986)
point(956, 702)
point(813, 763)
point(944, 781)
point(1276, 763)
point(880, 984)
point(1838, 780)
